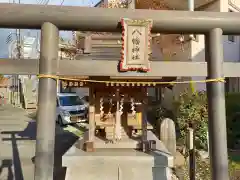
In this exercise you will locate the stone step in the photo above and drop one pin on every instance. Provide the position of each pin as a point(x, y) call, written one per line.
point(112, 137)
point(123, 144)
point(122, 128)
point(111, 129)
point(112, 134)
point(123, 133)
point(124, 164)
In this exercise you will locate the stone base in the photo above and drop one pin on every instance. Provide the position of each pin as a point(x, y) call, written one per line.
point(88, 147)
point(118, 164)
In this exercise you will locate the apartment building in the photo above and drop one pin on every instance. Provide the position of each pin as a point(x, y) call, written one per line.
point(231, 44)
point(232, 50)
point(194, 50)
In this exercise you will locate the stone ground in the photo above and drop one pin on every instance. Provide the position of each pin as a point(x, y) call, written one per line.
point(17, 145)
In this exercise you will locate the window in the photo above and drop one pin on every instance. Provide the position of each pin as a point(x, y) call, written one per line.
point(227, 85)
point(85, 98)
point(231, 38)
point(70, 101)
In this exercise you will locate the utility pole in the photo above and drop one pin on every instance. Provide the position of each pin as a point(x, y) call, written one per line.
point(18, 34)
point(16, 85)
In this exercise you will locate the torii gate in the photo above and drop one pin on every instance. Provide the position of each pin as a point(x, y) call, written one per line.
point(51, 19)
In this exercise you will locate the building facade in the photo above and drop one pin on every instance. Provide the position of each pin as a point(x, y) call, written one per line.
point(24, 89)
point(194, 50)
point(191, 47)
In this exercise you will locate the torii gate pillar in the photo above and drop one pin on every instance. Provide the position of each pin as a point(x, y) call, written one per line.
point(216, 105)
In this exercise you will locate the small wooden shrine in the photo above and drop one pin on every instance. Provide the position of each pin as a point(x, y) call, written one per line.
point(117, 111)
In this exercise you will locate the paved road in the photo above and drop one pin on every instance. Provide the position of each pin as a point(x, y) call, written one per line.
point(15, 150)
point(17, 145)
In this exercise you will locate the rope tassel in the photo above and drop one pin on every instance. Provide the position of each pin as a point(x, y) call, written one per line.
point(133, 107)
point(101, 107)
point(121, 106)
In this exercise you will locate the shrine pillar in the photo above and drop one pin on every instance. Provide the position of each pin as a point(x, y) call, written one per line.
point(145, 144)
point(89, 145)
point(118, 118)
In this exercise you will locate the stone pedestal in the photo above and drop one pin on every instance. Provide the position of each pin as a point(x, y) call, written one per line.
point(118, 164)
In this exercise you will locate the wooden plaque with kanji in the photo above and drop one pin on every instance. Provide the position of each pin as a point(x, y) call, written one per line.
point(136, 36)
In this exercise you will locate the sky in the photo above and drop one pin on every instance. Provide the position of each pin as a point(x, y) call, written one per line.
point(4, 33)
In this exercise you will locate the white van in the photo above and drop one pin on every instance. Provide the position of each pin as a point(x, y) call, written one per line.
point(70, 109)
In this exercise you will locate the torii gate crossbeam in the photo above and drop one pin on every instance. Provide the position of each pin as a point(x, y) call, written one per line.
point(107, 20)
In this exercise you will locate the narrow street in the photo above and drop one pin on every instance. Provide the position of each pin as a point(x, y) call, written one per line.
point(17, 144)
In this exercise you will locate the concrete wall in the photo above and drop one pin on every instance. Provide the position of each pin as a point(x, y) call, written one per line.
point(4, 92)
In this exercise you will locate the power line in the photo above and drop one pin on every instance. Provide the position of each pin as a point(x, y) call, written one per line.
point(62, 2)
point(43, 2)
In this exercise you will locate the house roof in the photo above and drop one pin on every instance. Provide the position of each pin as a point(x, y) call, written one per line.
point(4, 82)
point(168, 43)
point(166, 4)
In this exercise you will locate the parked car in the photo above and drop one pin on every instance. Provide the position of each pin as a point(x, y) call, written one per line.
point(71, 109)
point(86, 100)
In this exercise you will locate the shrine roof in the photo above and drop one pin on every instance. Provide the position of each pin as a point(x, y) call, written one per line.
point(4, 82)
point(106, 81)
point(167, 4)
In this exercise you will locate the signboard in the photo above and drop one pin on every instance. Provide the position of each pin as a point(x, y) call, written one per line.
point(136, 36)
